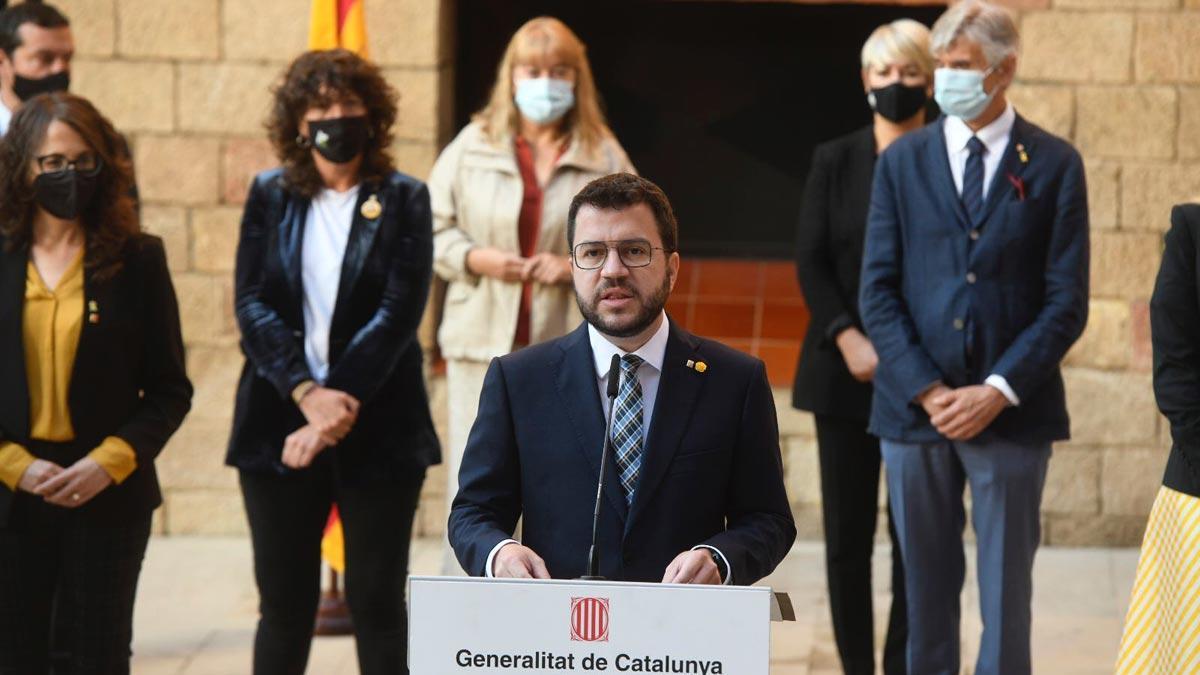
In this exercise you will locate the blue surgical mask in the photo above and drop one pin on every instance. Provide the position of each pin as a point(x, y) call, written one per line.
point(545, 99)
point(960, 92)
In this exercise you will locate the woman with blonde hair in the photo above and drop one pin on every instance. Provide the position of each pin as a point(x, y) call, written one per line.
point(500, 193)
point(833, 380)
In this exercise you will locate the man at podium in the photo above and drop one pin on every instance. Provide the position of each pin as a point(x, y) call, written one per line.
point(693, 481)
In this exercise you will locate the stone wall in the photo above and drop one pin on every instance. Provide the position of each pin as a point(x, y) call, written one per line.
point(187, 81)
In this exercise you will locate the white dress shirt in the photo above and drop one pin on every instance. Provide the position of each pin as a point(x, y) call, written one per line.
point(5, 119)
point(995, 137)
point(652, 353)
point(326, 232)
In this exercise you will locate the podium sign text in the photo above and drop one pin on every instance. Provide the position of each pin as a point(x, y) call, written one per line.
point(514, 627)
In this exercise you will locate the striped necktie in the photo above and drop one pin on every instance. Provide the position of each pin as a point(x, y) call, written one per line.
point(972, 192)
point(627, 425)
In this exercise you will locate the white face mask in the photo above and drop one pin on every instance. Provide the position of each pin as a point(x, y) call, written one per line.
point(545, 99)
point(960, 93)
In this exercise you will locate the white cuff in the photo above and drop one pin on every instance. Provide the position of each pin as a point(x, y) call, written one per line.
point(487, 566)
point(1000, 383)
point(728, 570)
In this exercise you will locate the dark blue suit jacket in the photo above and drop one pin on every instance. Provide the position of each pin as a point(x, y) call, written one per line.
point(1028, 257)
point(711, 473)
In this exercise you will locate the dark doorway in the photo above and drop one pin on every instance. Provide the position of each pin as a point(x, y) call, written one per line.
point(720, 103)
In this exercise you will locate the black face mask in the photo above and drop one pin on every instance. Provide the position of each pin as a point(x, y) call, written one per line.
point(26, 88)
point(339, 140)
point(65, 194)
point(898, 102)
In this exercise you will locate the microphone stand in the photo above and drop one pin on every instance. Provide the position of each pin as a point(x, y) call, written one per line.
point(614, 376)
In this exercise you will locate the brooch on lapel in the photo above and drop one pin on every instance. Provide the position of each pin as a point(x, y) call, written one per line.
point(93, 312)
point(698, 366)
point(1021, 155)
point(371, 208)
point(1018, 184)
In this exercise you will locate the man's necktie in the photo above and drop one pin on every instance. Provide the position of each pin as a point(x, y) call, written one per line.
point(627, 425)
point(972, 193)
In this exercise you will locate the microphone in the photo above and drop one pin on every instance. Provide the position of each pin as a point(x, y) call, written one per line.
point(614, 381)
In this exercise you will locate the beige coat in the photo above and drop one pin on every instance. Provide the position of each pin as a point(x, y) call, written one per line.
point(476, 191)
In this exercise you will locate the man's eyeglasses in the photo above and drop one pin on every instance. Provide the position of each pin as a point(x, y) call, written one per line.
point(87, 163)
point(590, 255)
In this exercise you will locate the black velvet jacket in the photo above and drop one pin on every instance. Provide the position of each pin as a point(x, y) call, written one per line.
point(374, 354)
point(128, 380)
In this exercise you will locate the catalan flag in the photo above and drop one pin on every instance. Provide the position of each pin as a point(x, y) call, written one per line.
point(338, 23)
point(333, 546)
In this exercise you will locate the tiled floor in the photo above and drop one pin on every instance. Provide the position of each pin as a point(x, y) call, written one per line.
point(196, 611)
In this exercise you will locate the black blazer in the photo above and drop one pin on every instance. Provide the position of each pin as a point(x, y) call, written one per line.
point(128, 379)
point(829, 250)
point(373, 350)
point(711, 472)
point(1175, 335)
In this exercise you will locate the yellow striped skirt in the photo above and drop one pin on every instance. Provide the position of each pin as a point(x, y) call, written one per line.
point(1162, 628)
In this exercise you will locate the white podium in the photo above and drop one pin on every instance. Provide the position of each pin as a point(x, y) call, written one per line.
point(518, 627)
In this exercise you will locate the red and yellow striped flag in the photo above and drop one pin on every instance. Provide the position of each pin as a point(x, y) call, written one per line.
point(333, 546)
point(338, 23)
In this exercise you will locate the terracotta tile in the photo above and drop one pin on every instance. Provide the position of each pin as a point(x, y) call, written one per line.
point(677, 309)
point(781, 357)
point(746, 346)
point(779, 281)
point(686, 283)
point(783, 320)
point(729, 279)
point(716, 319)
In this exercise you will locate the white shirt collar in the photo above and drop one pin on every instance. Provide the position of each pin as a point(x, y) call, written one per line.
point(994, 136)
point(653, 352)
point(5, 119)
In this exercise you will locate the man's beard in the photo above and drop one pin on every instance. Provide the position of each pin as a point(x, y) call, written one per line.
point(649, 311)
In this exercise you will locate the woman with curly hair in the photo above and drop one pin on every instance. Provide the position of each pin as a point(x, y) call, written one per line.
point(333, 268)
point(92, 384)
point(500, 193)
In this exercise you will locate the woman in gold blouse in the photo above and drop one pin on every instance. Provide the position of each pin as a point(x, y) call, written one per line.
point(92, 385)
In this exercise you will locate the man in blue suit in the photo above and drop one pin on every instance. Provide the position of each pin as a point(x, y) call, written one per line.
point(974, 285)
point(694, 487)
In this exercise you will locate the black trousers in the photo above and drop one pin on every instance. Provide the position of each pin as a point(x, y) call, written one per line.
point(287, 516)
point(52, 560)
point(850, 463)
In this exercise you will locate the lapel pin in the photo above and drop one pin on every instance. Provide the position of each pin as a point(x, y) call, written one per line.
point(691, 363)
point(1021, 153)
point(93, 312)
point(701, 366)
point(371, 208)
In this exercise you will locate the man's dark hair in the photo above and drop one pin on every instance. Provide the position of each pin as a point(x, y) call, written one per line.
point(620, 191)
point(37, 13)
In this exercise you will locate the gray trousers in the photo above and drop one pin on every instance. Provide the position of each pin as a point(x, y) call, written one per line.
point(925, 484)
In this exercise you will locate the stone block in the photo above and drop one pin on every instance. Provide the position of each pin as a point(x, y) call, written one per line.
point(809, 522)
point(265, 30)
point(1166, 47)
point(802, 471)
point(206, 512)
point(1104, 194)
point(1124, 264)
point(1049, 106)
point(241, 160)
point(410, 32)
point(1076, 46)
point(206, 309)
point(1113, 409)
point(177, 170)
point(226, 97)
point(1142, 352)
point(1106, 342)
point(419, 90)
point(94, 23)
point(431, 516)
point(1093, 530)
point(215, 238)
point(415, 158)
point(1148, 191)
point(1073, 482)
point(1015, 5)
point(170, 223)
point(188, 29)
point(1116, 4)
point(135, 95)
point(792, 422)
point(1130, 479)
point(1126, 122)
point(1189, 125)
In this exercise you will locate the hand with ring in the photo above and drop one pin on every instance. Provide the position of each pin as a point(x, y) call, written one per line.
point(76, 485)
